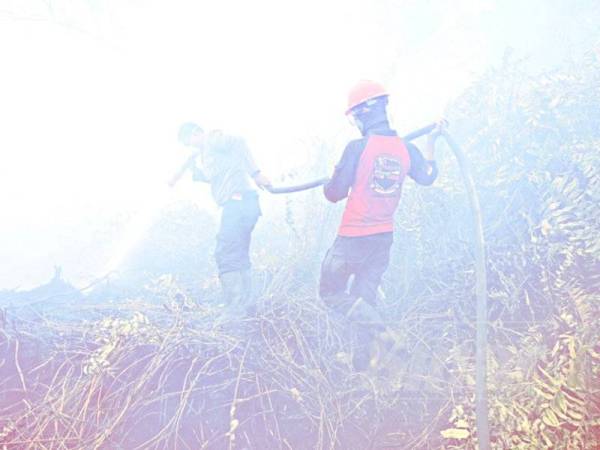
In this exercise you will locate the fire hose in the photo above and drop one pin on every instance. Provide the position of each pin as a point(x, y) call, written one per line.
point(321, 181)
point(481, 402)
point(295, 188)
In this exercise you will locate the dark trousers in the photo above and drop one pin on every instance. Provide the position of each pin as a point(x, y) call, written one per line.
point(238, 219)
point(365, 257)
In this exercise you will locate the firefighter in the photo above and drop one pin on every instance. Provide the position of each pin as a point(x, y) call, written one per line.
point(226, 163)
point(370, 174)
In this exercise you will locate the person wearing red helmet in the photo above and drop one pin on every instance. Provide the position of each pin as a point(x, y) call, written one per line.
point(370, 175)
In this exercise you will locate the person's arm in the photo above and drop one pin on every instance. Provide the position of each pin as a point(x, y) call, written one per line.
point(422, 170)
point(251, 168)
point(198, 174)
point(339, 185)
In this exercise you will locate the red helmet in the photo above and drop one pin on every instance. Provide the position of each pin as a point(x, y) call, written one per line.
point(364, 90)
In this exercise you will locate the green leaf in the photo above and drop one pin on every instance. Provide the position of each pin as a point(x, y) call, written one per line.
point(461, 423)
point(550, 419)
point(546, 395)
point(455, 433)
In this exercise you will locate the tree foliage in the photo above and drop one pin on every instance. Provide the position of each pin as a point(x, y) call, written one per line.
point(534, 144)
point(173, 359)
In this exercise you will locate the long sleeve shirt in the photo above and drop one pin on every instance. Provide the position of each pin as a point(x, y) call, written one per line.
point(421, 171)
point(371, 173)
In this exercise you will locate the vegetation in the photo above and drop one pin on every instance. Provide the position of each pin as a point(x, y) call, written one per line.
point(170, 368)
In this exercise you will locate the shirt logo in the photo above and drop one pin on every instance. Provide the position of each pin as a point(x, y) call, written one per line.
point(386, 178)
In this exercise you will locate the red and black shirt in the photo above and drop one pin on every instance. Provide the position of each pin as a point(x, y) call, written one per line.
point(371, 173)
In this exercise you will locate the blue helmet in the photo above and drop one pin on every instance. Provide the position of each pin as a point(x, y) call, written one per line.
point(185, 132)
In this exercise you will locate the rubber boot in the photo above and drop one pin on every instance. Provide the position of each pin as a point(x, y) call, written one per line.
point(369, 326)
point(247, 297)
point(233, 290)
point(361, 347)
point(365, 314)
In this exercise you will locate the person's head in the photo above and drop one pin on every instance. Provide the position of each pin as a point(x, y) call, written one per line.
point(191, 134)
point(367, 102)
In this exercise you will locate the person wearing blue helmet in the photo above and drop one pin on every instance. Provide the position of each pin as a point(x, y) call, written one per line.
point(225, 162)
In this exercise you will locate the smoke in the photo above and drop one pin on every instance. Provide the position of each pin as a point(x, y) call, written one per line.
point(93, 93)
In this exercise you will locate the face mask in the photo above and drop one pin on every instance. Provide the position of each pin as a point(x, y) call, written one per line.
point(354, 121)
